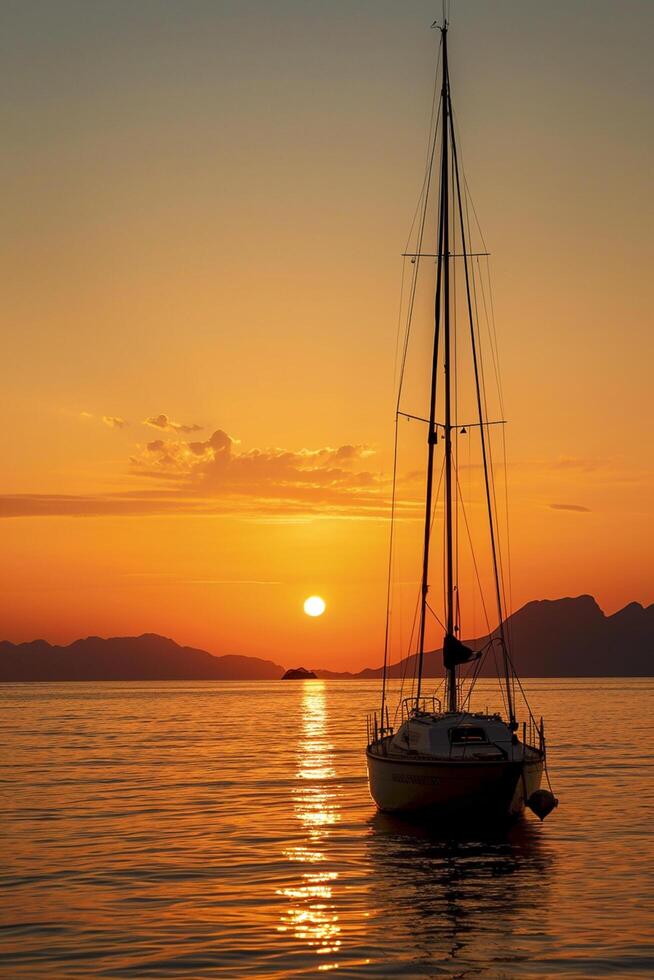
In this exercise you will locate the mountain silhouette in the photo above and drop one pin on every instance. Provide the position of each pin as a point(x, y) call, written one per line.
point(548, 638)
point(557, 638)
point(126, 658)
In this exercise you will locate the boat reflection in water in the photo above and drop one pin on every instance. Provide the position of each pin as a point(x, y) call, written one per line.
point(459, 904)
point(311, 914)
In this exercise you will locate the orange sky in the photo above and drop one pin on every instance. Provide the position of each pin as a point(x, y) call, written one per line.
point(205, 207)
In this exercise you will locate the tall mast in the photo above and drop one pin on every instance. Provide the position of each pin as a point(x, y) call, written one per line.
point(441, 311)
point(454, 652)
point(449, 584)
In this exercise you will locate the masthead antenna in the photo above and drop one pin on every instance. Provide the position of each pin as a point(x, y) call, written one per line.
point(443, 27)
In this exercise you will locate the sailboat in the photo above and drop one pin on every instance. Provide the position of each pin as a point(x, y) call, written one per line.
point(444, 759)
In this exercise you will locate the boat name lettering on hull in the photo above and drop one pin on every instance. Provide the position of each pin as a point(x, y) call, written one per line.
point(415, 780)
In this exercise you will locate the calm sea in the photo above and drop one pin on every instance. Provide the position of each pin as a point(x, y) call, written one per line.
point(225, 830)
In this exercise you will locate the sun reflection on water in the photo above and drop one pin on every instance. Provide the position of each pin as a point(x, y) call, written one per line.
point(311, 914)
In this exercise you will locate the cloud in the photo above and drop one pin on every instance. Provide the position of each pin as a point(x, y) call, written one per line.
point(215, 476)
point(151, 503)
point(167, 425)
point(574, 507)
point(178, 504)
point(216, 467)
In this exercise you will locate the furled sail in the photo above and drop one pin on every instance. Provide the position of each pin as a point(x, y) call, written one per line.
point(455, 652)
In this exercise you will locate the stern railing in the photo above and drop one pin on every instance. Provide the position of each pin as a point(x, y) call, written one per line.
point(533, 734)
point(375, 729)
point(421, 706)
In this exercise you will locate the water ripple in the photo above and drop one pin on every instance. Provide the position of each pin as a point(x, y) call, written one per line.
point(205, 830)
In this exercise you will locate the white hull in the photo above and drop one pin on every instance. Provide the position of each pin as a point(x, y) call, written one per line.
point(487, 789)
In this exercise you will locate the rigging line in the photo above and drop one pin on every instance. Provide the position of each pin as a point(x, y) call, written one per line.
point(479, 666)
point(474, 211)
point(492, 329)
point(491, 462)
point(531, 715)
point(508, 611)
point(497, 521)
point(390, 574)
point(481, 430)
point(494, 353)
point(407, 333)
point(474, 562)
point(416, 267)
point(399, 326)
point(490, 455)
point(524, 695)
point(469, 497)
point(484, 397)
point(417, 666)
point(492, 308)
point(424, 197)
point(494, 341)
point(468, 194)
point(421, 207)
point(457, 621)
point(508, 605)
point(407, 658)
point(469, 201)
point(444, 566)
point(433, 129)
point(410, 644)
point(403, 675)
point(434, 508)
point(436, 617)
point(475, 676)
point(499, 679)
point(468, 198)
point(498, 526)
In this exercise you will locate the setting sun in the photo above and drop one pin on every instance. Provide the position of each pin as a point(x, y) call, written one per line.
point(314, 605)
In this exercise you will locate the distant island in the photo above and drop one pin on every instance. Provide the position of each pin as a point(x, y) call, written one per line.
point(549, 638)
point(299, 674)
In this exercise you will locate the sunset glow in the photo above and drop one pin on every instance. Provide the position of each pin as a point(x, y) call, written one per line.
point(327, 570)
point(201, 305)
